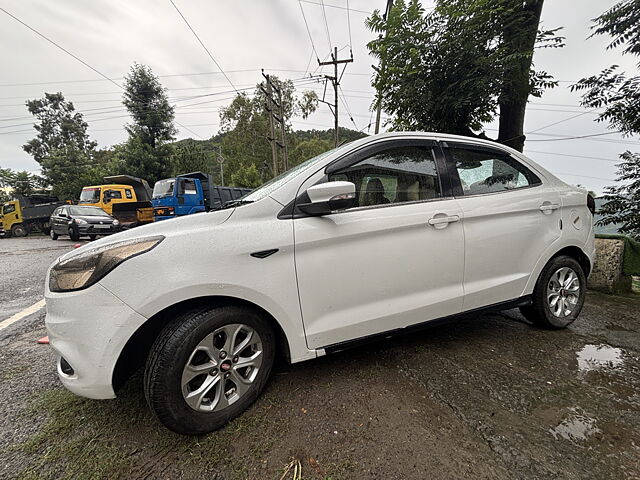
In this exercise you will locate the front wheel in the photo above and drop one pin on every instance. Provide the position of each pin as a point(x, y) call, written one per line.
point(73, 234)
point(53, 235)
point(19, 230)
point(207, 367)
point(558, 295)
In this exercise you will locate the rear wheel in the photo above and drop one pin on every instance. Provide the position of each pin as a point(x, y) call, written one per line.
point(19, 230)
point(207, 367)
point(53, 235)
point(558, 295)
point(73, 234)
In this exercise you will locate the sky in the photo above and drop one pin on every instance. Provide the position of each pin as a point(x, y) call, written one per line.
point(245, 36)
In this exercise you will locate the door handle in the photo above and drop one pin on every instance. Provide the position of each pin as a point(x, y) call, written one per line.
point(548, 207)
point(443, 221)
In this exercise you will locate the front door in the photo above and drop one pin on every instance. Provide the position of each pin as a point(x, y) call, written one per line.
point(393, 260)
point(510, 218)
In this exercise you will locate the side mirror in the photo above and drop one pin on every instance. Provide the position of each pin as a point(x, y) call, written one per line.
point(329, 197)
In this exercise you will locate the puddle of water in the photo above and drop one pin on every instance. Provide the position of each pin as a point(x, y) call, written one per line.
point(577, 427)
point(598, 357)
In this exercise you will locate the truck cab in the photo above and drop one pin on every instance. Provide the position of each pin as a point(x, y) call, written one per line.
point(27, 214)
point(190, 193)
point(124, 197)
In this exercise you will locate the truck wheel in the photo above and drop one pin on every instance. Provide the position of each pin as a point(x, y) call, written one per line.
point(19, 230)
point(558, 295)
point(52, 234)
point(73, 235)
point(207, 366)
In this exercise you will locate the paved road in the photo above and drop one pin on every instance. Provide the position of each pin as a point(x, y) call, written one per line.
point(24, 264)
point(483, 397)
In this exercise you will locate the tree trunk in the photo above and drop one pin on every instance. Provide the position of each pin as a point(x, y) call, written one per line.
point(519, 38)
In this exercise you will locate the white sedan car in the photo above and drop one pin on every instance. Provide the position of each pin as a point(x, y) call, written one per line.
point(379, 236)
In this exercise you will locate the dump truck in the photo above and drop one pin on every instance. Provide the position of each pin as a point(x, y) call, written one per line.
point(126, 198)
point(190, 193)
point(28, 214)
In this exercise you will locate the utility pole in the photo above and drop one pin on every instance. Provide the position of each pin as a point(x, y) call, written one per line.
point(275, 110)
point(335, 80)
point(382, 66)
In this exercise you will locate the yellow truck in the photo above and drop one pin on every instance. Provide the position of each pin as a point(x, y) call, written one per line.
point(28, 214)
point(124, 197)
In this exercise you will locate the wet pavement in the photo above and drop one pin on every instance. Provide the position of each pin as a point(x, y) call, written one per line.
point(481, 397)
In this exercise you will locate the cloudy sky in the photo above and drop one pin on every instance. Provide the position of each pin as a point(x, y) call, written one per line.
point(247, 35)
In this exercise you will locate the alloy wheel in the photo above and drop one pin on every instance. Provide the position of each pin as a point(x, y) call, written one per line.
point(563, 292)
point(222, 368)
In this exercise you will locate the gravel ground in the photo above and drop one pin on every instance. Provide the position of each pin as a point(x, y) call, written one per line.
point(482, 397)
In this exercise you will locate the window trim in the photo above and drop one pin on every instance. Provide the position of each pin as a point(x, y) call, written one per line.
point(454, 176)
point(290, 212)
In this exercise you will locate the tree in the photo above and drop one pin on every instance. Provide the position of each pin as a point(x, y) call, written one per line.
point(146, 153)
point(460, 66)
point(19, 183)
point(62, 146)
point(619, 96)
point(622, 202)
point(307, 149)
point(245, 129)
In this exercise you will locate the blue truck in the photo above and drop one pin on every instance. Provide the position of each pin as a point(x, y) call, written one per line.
point(190, 193)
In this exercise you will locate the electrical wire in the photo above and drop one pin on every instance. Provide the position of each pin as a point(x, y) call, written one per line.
point(203, 45)
point(562, 121)
point(339, 7)
point(326, 24)
point(349, 25)
point(304, 17)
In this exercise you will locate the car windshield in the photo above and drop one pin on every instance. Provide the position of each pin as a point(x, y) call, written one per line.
point(90, 195)
point(163, 188)
point(88, 211)
point(275, 183)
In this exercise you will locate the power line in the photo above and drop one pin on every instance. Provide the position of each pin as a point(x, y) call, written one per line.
point(561, 121)
point(572, 138)
point(304, 17)
point(346, 106)
point(203, 45)
point(349, 25)
point(339, 7)
point(326, 24)
point(575, 156)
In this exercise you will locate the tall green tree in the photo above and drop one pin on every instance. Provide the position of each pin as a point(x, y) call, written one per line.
point(460, 66)
point(146, 153)
point(20, 182)
point(618, 94)
point(62, 146)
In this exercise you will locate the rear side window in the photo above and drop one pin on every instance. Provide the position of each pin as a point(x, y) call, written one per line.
point(396, 175)
point(483, 171)
point(128, 194)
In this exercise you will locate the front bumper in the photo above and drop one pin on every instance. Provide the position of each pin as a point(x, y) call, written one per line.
point(90, 229)
point(89, 328)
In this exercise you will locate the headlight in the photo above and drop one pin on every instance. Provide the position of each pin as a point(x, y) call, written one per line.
point(86, 268)
point(80, 221)
point(116, 223)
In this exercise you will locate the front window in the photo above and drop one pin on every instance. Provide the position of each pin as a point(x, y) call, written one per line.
point(397, 175)
point(9, 208)
point(188, 187)
point(88, 211)
point(163, 188)
point(90, 195)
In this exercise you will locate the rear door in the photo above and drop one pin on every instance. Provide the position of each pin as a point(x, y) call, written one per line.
point(394, 260)
point(510, 218)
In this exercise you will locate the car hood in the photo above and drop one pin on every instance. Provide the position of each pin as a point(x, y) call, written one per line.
point(167, 228)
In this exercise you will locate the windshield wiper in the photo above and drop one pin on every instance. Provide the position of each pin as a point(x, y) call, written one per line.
point(235, 203)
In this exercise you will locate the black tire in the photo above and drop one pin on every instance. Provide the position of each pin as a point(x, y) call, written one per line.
point(92, 237)
point(171, 352)
point(539, 312)
point(19, 230)
point(73, 234)
point(46, 230)
point(53, 235)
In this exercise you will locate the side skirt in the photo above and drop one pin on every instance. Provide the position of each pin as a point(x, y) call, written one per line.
point(496, 307)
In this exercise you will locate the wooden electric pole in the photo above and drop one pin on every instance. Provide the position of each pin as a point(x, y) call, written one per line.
point(335, 80)
point(382, 67)
point(275, 111)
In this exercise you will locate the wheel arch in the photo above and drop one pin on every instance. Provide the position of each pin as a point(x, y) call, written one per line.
point(136, 350)
point(578, 254)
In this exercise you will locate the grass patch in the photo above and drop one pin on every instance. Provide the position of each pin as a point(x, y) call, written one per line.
point(90, 439)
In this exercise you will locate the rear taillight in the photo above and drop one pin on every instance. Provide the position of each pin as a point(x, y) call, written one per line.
point(591, 204)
